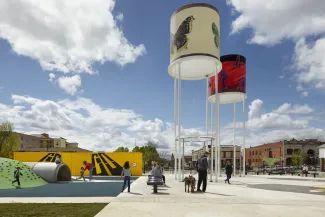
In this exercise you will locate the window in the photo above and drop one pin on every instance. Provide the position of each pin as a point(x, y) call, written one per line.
point(250, 153)
point(289, 151)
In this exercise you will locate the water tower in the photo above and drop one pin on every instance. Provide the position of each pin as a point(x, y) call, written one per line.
point(194, 55)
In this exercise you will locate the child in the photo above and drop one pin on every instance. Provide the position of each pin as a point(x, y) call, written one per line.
point(17, 174)
point(89, 167)
point(127, 174)
point(82, 171)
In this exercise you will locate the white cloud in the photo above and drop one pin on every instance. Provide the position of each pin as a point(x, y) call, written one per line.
point(94, 127)
point(309, 60)
point(70, 84)
point(287, 108)
point(66, 36)
point(51, 77)
point(258, 119)
point(120, 17)
point(104, 129)
point(265, 127)
point(275, 20)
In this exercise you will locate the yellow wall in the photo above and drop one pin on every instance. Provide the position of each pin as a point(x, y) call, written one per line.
point(105, 164)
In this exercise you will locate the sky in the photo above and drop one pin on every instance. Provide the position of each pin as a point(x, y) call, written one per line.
point(95, 72)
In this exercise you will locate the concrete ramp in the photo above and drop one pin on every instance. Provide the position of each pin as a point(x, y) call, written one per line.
point(51, 172)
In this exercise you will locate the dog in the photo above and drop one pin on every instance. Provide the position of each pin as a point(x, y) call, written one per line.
point(190, 181)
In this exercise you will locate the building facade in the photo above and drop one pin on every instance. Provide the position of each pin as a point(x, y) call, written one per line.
point(29, 141)
point(43, 142)
point(226, 154)
point(283, 150)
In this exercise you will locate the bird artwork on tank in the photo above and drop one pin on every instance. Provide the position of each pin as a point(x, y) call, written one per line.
point(180, 39)
point(216, 34)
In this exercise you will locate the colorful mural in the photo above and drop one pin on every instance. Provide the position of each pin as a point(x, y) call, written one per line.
point(232, 78)
point(105, 163)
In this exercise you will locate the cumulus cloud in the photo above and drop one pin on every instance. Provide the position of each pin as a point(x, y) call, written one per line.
point(94, 127)
point(274, 20)
point(279, 118)
point(104, 129)
point(285, 122)
point(66, 36)
point(70, 84)
point(309, 60)
point(51, 77)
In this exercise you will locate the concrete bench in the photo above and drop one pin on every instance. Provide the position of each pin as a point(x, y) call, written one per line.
point(155, 181)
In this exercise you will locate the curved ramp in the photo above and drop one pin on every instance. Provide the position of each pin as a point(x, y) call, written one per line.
point(51, 172)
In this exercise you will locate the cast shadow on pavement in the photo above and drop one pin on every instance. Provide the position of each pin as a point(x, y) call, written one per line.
point(134, 193)
point(227, 195)
point(161, 193)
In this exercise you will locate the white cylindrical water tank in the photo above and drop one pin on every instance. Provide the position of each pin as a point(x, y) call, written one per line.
point(195, 42)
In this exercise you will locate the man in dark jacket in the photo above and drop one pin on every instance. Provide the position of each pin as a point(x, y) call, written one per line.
point(228, 172)
point(202, 166)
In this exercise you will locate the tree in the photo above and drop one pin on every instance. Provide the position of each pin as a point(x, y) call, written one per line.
point(298, 157)
point(9, 141)
point(149, 153)
point(122, 149)
point(270, 161)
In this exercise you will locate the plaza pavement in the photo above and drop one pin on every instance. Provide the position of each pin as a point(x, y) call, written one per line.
point(239, 199)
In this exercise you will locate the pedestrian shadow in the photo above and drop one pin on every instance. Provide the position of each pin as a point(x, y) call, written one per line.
point(161, 193)
point(226, 195)
point(134, 193)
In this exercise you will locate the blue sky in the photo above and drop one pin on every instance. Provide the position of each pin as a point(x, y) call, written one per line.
point(145, 87)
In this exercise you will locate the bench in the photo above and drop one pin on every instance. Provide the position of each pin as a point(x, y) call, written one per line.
point(155, 181)
point(276, 172)
point(314, 173)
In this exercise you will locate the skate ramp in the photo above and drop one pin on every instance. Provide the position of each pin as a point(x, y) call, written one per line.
point(51, 172)
point(29, 179)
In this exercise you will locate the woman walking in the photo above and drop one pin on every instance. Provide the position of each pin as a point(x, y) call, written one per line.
point(126, 172)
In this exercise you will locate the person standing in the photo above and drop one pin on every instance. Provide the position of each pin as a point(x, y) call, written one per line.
point(202, 166)
point(126, 172)
point(17, 175)
point(89, 167)
point(228, 172)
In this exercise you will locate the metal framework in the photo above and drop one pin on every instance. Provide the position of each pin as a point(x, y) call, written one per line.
point(193, 139)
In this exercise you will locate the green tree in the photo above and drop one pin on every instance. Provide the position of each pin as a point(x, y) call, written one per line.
point(298, 157)
point(9, 141)
point(270, 161)
point(122, 149)
point(149, 154)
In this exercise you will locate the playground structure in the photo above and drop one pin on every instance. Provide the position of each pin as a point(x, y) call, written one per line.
point(51, 172)
point(28, 179)
point(195, 55)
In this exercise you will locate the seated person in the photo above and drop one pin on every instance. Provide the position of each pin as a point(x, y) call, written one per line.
point(157, 172)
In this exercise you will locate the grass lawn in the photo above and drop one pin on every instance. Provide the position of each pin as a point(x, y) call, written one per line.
point(50, 209)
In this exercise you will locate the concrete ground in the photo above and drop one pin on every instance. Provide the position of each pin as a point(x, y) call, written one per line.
point(246, 196)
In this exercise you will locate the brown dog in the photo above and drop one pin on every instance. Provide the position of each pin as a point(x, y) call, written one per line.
point(190, 181)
